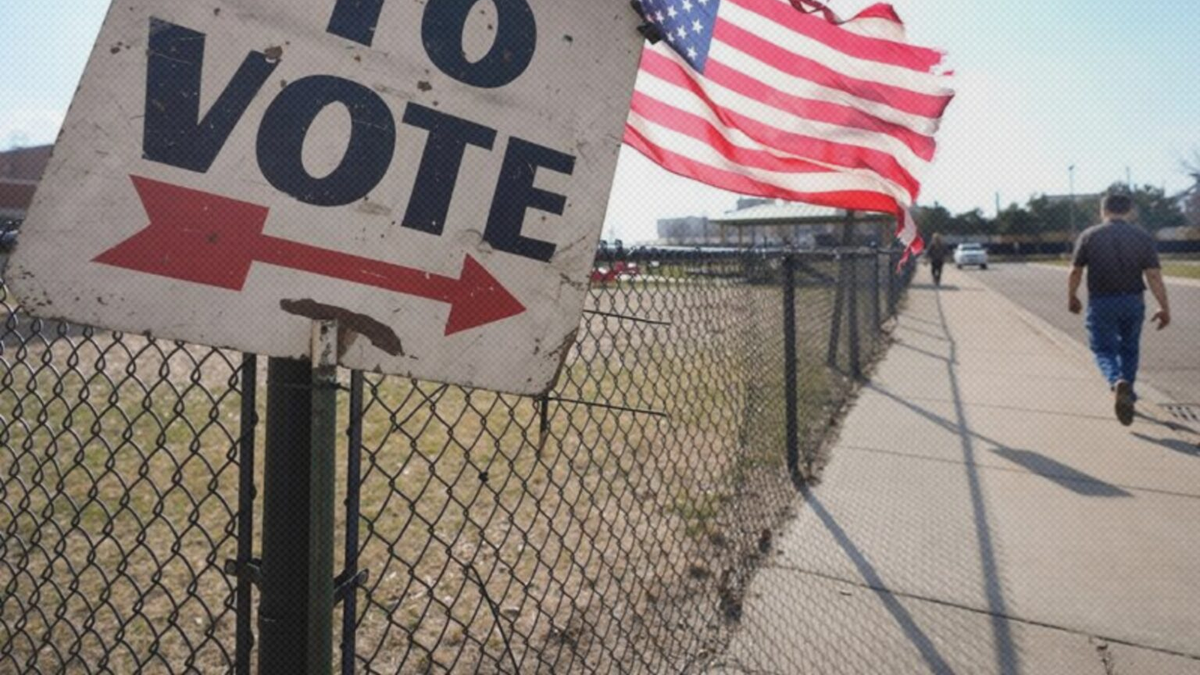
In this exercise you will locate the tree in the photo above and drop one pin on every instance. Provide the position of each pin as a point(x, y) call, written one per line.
point(1052, 216)
point(1155, 210)
point(1191, 196)
point(1017, 222)
point(933, 220)
point(974, 222)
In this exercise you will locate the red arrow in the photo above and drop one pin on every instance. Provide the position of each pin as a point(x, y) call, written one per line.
point(208, 239)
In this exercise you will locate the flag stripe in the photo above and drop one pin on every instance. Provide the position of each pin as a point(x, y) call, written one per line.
point(796, 183)
point(669, 66)
point(742, 151)
point(748, 116)
point(889, 52)
point(805, 68)
point(777, 79)
point(821, 111)
point(737, 181)
point(754, 23)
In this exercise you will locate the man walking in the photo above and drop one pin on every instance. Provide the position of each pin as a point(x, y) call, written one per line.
point(937, 253)
point(1117, 254)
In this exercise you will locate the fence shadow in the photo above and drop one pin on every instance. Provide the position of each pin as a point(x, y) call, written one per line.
point(1007, 658)
point(912, 630)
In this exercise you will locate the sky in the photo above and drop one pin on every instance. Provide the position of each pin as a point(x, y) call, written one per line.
point(1111, 88)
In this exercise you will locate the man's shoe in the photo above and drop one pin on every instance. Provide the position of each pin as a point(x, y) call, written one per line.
point(1124, 402)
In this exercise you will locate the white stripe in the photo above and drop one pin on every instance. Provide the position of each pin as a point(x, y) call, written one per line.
point(682, 99)
point(777, 79)
point(863, 69)
point(908, 228)
point(703, 153)
point(772, 117)
point(817, 13)
point(874, 27)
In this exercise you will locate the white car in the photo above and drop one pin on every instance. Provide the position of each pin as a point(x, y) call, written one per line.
point(971, 254)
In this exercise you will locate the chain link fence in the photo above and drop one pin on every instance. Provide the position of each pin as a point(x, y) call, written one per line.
point(610, 526)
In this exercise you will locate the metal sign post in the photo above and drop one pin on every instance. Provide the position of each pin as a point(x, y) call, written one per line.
point(295, 616)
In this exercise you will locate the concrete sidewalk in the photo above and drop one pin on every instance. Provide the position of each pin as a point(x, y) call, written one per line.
point(984, 512)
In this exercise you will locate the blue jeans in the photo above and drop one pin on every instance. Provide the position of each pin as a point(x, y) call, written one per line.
point(1114, 326)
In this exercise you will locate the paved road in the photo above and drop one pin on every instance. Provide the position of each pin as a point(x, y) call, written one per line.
point(1170, 360)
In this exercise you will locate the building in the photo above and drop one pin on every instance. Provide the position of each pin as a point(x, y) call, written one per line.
point(687, 231)
point(20, 171)
point(700, 230)
point(771, 223)
point(778, 223)
point(1080, 200)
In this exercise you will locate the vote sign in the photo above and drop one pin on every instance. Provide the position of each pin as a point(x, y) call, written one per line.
point(431, 174)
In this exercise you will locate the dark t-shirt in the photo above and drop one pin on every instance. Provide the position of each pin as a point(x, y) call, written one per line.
point(1116, 254)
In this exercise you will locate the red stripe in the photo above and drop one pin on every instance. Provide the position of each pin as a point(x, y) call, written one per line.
point(809, 147)
point(851, 44)
point(701, 129)
point(819, 111)
point(859, 200)
point(814, 71)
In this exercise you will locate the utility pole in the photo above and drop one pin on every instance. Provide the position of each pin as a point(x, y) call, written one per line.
point(1071, 243)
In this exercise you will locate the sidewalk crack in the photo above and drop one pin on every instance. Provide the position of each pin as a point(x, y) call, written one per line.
point(1105, 655)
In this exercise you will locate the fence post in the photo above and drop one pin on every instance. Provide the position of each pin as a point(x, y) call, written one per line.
point(891, 285)
point(349, 580)
point(839, 299)
point(876, 289)
point(791, 386)
point(296, 612)
point(852, 317)
point(245, 527)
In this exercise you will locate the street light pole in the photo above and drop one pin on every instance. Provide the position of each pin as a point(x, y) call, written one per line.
point(1071, 243)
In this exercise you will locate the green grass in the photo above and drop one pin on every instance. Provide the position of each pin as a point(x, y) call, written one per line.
point(1182, 270)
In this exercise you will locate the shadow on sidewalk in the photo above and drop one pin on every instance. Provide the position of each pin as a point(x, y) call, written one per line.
point(1040, 465)
point(937, 664)
point(1007, 659)
point(918, 331)
point(1172, 444)
point(922, 352)
point(1072, 479)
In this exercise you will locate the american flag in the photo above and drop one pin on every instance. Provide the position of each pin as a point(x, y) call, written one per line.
point(760, 98)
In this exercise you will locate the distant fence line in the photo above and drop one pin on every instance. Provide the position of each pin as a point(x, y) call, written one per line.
point(610, 526)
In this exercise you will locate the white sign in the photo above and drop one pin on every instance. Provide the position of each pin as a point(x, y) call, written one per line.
point(431, 174)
